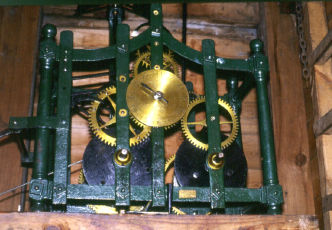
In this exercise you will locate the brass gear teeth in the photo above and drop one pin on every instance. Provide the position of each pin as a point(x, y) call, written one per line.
point(199, 144)
point(81, 178)
point(98, 131)
point(140, 124)
point(144, 59)
point(178, 211)
point(169, 162)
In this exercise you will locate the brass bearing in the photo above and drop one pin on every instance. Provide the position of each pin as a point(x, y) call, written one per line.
point(122, 157)
point(216, 160)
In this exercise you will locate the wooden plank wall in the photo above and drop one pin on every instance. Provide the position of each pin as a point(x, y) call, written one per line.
point(318, 25)
point(288, 111)
point(18, 49)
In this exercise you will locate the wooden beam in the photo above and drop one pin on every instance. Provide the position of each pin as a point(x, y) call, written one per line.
point(322, 52)
point(91, 222)
point(18, 49)
point(324, 124)
point(288, 112)
point(317, 29)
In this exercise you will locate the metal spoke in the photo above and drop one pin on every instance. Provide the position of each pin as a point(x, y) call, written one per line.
point(203, 123)
point(112, 102)
point(110, 122)
point(225, 122)
point(132, 130)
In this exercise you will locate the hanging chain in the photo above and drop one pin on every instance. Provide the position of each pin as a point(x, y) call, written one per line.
point(303, 44)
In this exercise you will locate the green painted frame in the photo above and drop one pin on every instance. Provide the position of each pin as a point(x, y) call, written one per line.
point(58, 191)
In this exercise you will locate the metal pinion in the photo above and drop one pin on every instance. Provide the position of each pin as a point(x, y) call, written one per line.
point(143, 61)
point(199, 144)
point(102, 117)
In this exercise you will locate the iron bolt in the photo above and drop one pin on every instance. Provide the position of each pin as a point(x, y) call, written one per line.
point(15, 122)
point(220, 60)
point(36, 187)
point(212, 118)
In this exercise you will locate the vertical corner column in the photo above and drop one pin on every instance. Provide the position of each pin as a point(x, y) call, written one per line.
point(63, 114)
point(122, 157)
point(157, 134)
point(216, 174)
point(270, 177)
point(42, 148)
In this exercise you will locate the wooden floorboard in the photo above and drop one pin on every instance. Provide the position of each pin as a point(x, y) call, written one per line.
point(57, 221)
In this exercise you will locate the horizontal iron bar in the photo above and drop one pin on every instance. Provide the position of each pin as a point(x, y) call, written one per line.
point(143, 193)
point(35, 122)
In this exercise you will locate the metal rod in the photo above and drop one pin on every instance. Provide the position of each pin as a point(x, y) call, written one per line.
point(5, 132)
point(23, 189)
point(270, 176)
point(41, 150)
point(91, 75)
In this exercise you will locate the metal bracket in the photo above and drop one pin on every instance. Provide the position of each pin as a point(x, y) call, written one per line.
point(40, 189)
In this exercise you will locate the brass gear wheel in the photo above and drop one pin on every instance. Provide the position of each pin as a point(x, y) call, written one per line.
point(230, 116)
point(143, 63)
point(102, 117)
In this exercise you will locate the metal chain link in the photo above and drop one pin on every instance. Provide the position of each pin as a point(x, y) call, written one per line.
point(303, 44)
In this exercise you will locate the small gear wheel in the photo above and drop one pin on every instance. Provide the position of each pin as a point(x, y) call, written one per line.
point(102, 120)
point(228, 116)
point(143, 63)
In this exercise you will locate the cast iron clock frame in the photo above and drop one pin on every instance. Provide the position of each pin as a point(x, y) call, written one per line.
point(53, 122)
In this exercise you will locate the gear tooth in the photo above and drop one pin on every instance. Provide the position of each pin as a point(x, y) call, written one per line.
point(169, 161)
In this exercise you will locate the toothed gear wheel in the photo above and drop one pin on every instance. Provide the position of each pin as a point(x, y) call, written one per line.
point(143, 63)
point(102, 120)
point(225, 110)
